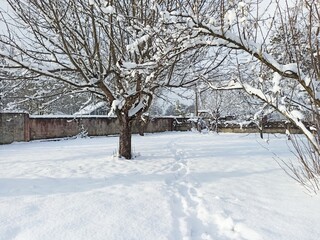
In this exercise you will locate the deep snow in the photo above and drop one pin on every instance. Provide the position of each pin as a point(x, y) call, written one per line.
point(181, 186)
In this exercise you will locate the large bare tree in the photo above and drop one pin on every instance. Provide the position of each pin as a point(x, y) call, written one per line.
point(120, 51)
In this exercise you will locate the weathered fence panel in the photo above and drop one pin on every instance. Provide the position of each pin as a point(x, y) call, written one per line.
point(23, 127)
point(14, 127)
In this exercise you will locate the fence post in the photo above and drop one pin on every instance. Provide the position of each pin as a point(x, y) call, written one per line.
point(14, 127)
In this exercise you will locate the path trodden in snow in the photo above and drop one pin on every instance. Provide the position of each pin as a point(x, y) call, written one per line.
point(182, 186)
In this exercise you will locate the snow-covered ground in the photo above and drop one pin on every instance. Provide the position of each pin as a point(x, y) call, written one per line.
point(182, 186)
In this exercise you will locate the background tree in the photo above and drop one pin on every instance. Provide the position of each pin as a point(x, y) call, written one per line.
point(54, 97)
point(229, 103)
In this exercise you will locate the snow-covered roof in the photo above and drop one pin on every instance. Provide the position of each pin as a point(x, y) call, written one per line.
point(90, 108)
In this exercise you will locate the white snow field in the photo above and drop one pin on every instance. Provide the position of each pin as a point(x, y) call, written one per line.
point(182, 186)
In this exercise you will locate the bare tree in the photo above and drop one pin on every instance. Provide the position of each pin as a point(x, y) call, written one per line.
point(286, 77)
point(120, 51)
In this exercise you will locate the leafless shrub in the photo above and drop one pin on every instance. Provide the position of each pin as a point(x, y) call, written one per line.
point(305, 167)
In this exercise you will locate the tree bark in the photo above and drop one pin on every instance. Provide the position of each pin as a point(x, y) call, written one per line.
point(125, 136)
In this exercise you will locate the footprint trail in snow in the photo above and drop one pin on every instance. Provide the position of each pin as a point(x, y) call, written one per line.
point(191, 219)
point(187, 208)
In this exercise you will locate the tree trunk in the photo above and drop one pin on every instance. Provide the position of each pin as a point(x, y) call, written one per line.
point(125, 136)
